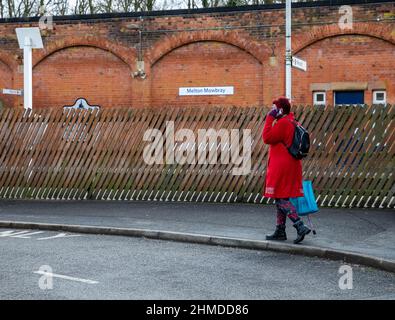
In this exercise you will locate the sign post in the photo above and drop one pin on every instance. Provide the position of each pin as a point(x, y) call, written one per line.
point(288, 51)
point(28, 39)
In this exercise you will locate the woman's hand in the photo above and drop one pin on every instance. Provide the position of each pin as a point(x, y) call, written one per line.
point(275, 112)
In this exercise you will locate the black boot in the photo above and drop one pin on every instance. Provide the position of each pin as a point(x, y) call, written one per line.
point(302, 230)
point(279, 234)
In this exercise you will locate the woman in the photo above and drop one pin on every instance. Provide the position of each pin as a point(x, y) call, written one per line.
point(284, 172)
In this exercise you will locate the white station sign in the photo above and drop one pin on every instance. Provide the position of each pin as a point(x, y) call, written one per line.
point(299, 63)
point(205, 91)
point(12, 91)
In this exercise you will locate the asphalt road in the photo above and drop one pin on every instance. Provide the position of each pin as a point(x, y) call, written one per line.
point(109, 267)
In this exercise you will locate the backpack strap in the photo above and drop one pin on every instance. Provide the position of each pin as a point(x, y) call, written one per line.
point(295, 123)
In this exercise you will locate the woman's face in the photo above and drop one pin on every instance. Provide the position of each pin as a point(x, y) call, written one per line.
point(280, 110)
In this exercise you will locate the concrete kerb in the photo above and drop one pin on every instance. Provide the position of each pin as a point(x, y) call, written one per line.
point(310, 251)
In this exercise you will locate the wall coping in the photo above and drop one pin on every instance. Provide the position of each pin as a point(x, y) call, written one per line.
point(183, 12)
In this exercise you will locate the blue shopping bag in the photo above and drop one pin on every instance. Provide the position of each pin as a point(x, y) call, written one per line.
point(307, 204)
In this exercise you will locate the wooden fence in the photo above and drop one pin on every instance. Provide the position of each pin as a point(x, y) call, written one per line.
point(81, 154)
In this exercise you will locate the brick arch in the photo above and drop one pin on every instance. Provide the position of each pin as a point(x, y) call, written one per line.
point(259, 51)
point(362, 56)
point(8, 67)
point(303, 40)
point(9, 60)
point(127, 55)
point(91, 72)
point(203, 64)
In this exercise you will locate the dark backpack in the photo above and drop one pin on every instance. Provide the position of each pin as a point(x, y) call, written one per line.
point(300, 143)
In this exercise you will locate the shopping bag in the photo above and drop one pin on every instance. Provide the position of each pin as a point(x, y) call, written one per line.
point(307, 204)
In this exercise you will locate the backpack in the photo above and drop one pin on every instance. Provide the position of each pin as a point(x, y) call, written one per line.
point(300, 143)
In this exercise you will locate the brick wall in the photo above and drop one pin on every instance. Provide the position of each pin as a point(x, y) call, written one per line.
point(348, 58)
point(207, 63)
point(88, 72)
point(95, 56)
point(6, 81)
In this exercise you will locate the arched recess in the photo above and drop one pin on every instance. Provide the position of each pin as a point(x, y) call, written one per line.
point(82, 71)
point(244, 42)
point(207, 63)
point(301, 40)
point(8, 65)
point(127, 55)
point(346, 59)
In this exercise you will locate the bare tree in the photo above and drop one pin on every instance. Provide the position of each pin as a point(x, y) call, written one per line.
point(60, 7)
point(125, 5)
point(26, 8)
point(44, 7)
point(106, 6)
point(2, 9)
point(148, 5)
point(11, 8)
point(82, 7)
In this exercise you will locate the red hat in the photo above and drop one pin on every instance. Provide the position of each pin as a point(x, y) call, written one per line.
point(283, 103)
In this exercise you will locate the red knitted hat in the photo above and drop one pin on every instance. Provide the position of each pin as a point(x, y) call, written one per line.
point(283, 103)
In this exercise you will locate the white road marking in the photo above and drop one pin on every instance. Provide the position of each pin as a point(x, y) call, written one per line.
point(10, 233)
point(26, 235)
point(50, 274)
point(20, 234)
point(60, 235)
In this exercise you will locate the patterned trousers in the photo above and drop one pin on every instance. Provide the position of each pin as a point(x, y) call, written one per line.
point(285, 208)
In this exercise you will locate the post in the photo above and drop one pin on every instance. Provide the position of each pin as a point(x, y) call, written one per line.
point(28, 39)
point(27, 74)
point(288, 50)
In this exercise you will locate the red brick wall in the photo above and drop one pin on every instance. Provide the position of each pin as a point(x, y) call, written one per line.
point(6, 81)
point(95, 58)
point(349, 58)
point(207, 63)
point(91, 73)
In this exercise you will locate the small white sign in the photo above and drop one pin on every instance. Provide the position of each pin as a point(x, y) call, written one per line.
point(206, 91)
point(12, 91)
point(299, 63)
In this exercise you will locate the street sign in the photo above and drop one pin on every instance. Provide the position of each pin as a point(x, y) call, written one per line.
point(299, 63)
point(12, 91)
point(205, 91)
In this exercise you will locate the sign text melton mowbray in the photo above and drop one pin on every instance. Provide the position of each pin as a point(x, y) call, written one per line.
point(201, 91)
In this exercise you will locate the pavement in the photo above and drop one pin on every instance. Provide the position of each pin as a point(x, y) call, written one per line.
point(51, 265)
point(366, 235)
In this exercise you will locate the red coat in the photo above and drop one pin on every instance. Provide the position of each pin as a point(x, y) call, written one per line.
point(284, 172)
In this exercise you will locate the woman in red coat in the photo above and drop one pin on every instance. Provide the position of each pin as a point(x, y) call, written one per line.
point(284, 172)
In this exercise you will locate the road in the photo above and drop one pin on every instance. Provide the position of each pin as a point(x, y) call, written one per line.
point(110, 267)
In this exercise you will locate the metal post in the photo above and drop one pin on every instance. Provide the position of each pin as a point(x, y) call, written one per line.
point(27, 74)
point(288, 50)
point(28, 39)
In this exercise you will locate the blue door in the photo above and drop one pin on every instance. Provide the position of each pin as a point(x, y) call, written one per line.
point(349, 97)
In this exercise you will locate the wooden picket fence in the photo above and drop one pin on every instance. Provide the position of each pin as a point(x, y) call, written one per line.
point(101, 154)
